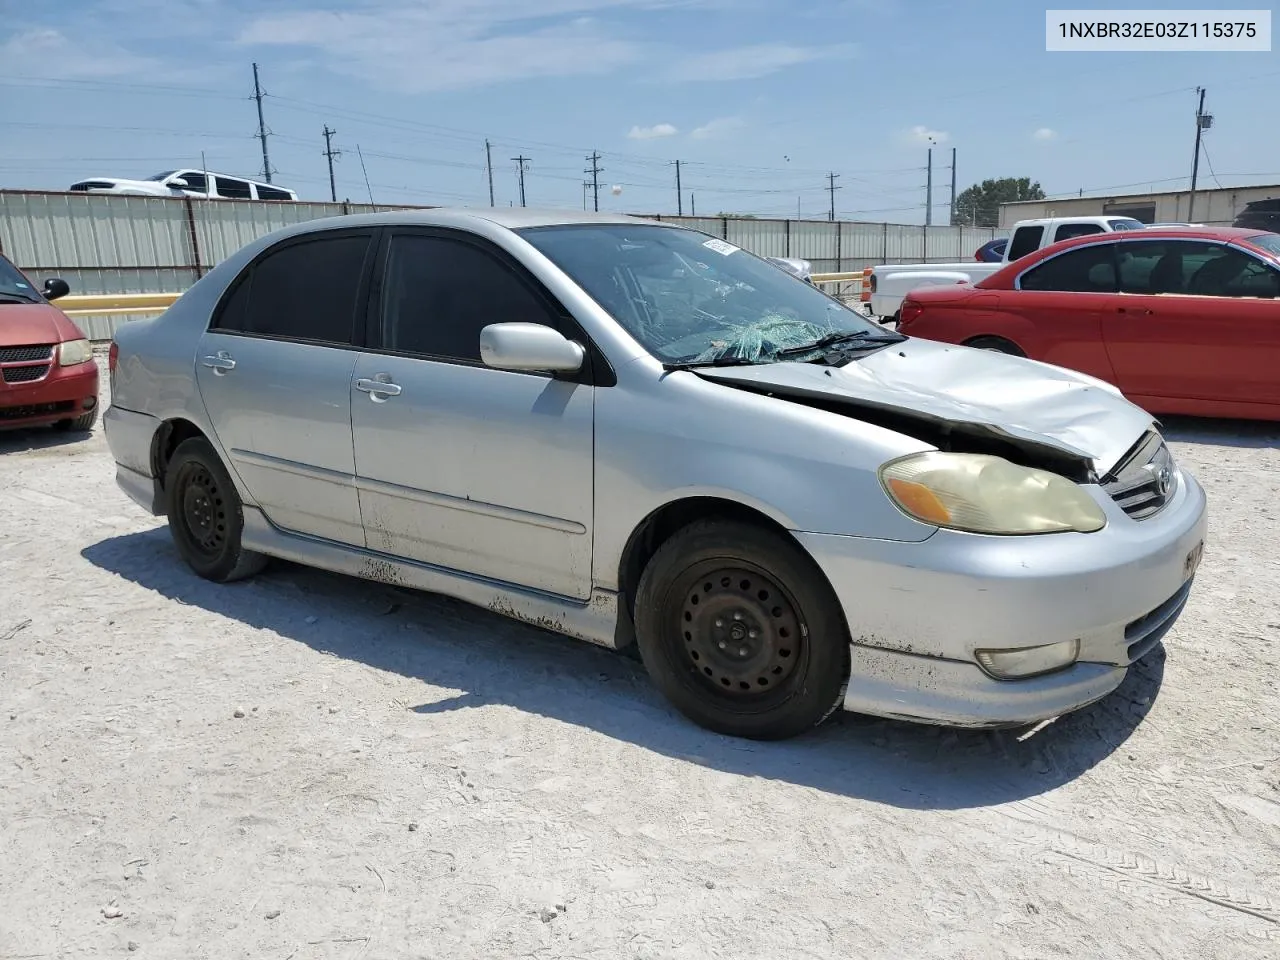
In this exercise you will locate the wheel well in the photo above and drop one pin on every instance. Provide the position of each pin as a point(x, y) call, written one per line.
point(166, 441)
point(993, 338)
point(663, 523)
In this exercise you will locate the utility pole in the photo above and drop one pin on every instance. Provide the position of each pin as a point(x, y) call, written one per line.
point(951, 211)
point(595, 170)
point(586, 186)
point(331, 153)
point(679, 193)
point(832, 188)
point(262, 126)
point(1203, 122)
point(520, 166)
point(928, 191)
point(488, 162)
point(693, 206)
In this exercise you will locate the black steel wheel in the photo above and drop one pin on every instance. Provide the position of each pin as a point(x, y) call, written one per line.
point(740, 629)
point(206, 518)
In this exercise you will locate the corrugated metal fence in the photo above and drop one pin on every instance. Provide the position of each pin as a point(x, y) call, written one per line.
point(101, 243)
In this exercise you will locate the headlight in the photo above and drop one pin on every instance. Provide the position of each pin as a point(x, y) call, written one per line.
point(984, 494)
point(71, 352)
point(1028, 661)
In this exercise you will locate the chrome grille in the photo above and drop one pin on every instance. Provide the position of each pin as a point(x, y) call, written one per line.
point(1145, 479)
point(24, 374)
point(25, 354)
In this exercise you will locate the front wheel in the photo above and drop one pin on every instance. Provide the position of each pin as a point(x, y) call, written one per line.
point(81, 424)
point(206, 518)
point(740, 630)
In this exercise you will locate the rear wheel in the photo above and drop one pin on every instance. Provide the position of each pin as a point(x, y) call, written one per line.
point(81, 424)
point(206, 517)
point(740, 630)
point(996, 344)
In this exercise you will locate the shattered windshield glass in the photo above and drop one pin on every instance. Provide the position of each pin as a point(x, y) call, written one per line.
point(691, 298)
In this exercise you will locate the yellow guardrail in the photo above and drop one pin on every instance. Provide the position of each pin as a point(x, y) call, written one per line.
point(115, 304)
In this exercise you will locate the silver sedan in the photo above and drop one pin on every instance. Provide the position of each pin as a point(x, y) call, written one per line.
point(634, 433)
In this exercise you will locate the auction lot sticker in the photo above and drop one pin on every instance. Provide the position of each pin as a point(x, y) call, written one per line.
point(1143, 31)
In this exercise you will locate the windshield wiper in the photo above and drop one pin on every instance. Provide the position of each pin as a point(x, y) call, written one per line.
point(12, 297)
point(838, 340)
point(731, 361)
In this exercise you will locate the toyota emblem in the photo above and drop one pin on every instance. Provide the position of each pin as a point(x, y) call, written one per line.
point(1164, 480)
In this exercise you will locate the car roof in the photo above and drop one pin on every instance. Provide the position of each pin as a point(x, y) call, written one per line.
point(511, 218)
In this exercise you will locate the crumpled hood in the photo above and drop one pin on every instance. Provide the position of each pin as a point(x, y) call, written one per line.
point(1019, 398)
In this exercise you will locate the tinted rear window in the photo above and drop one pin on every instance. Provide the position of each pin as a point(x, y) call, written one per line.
point(1025, 240)
point(302, 291)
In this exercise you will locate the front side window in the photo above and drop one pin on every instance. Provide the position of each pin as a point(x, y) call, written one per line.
point(306, 290)
point(1025, 240)
point(1087, 269)
point(1193, 267)
point(439, 293)
point(1127, 224)
point(686, 297)
point(233, 189)
point(196, 182)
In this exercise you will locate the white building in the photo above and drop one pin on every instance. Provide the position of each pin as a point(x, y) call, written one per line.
point(1216, 206)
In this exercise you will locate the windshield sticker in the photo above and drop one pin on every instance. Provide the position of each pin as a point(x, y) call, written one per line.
point(21, 286)
point(720, 247)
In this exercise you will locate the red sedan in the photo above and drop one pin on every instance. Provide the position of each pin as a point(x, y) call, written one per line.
point(1181, 320)
point(47, 372)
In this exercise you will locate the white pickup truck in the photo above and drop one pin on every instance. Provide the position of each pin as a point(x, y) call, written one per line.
point(890, 283)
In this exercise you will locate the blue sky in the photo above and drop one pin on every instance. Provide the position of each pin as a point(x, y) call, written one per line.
point(758, 98)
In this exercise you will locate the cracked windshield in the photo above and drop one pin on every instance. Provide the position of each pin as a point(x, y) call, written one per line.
point(691, 299)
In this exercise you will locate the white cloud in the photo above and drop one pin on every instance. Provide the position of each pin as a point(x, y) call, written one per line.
point(1045, 133)
point(34, 51)
point(922, 134)
point(745, 63)
point(721, 126)
point(656, 132)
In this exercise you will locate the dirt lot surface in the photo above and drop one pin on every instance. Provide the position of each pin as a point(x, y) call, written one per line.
point(306, 766)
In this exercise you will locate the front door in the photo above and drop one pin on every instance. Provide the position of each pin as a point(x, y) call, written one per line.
point(1197, 320)
point(459, 465)
point(274, 372)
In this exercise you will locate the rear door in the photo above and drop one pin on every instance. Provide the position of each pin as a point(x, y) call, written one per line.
point(484, 471)
point(1062, 299)
point(1195, 319)
point(274, 371)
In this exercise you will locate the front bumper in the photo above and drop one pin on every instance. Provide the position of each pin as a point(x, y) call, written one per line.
point(64, 393)
point(917, 612)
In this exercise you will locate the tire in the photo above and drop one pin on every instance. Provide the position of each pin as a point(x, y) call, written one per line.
point(717, 585)
point(81, 424)
point(206, 517)
point(996, 345)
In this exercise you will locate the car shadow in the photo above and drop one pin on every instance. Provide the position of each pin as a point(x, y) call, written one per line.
point(493, 660)
point(1223, 433)
point(27, 439)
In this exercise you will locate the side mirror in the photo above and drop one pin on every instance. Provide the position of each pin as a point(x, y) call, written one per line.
point(55, 288)
point(529, 346)
point(177, 183)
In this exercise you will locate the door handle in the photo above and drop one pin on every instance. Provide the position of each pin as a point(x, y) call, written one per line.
point(1136, 311)
point(220, 363)
point(379, 388)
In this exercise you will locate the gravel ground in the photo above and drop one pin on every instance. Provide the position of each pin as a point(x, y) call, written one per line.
point(306, 766)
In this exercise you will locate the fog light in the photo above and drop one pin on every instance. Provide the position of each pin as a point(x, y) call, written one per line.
point(1024, 662)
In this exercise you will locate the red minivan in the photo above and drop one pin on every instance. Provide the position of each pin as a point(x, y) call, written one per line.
point(47, 371)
